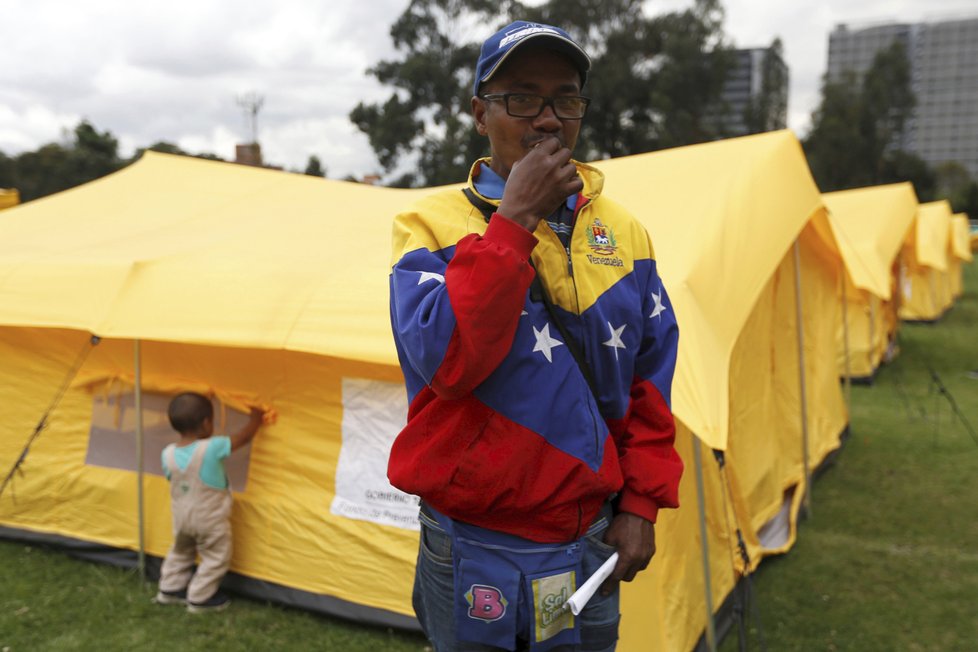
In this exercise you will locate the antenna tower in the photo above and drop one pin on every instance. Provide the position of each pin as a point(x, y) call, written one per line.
point(251, 104)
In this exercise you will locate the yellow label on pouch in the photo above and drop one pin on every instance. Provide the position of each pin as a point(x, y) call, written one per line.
point(549, 595)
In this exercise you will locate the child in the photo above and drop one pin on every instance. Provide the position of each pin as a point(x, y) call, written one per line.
point(201, 503)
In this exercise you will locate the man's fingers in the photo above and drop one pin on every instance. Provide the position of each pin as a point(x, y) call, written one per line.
point(549, 144)
point(625, 571)
point(608, 586)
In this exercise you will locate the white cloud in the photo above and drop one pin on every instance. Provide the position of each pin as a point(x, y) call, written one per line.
point(172, 71)
point(32, 125)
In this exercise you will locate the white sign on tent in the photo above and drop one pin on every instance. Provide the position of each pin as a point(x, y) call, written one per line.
point(373, 413)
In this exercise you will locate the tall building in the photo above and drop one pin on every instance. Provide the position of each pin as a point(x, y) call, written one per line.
point(758, 82)
point(944, 67)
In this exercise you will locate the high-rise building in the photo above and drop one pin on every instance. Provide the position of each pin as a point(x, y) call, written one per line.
point(944, 67)
point(758, 83)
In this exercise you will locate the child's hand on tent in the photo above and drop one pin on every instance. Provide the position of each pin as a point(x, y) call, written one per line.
point(256, 415)
point(267, 414)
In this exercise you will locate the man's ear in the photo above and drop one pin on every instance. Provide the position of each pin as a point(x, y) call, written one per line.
point(479, 113)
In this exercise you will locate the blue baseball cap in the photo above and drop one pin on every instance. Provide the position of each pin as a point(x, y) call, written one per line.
point(498, 47)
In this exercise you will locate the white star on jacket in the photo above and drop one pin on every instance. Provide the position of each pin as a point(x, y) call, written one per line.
point(615, 341)
point(545, 342)
point(659, 308)
point(430, 276)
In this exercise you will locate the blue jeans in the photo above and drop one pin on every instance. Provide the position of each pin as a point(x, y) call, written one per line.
point(434, 595)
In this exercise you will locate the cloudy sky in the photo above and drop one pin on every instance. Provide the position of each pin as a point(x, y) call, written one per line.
point(174, 70)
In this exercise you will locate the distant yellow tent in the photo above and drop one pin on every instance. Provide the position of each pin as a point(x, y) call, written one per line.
point(269, 287)
point(8, 197)
point(870, 225)
point(925, 294)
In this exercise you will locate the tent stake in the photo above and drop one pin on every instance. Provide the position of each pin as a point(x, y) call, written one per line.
point(711, 634)
point(806, 496)
point(873, 317)
point(138, 389)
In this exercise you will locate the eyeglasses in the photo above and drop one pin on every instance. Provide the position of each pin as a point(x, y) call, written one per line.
point(524, 105)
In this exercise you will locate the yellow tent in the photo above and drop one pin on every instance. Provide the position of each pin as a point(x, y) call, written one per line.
point(739, 227)
point(8, 197)
point(925, 294)
point(267, 287)
point(870, 225)
point(960, 251)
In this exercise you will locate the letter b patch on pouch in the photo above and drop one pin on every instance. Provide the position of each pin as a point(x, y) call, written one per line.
point(486, 598)
point(486, 602)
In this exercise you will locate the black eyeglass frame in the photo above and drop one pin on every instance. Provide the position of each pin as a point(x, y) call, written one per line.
point(547, 101)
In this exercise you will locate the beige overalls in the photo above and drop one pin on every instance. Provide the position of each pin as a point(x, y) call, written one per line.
point(201, 525)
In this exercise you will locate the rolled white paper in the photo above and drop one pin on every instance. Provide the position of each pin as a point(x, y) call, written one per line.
point(577, 601)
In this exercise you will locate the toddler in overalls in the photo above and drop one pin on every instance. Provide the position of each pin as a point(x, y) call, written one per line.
point(201, 504)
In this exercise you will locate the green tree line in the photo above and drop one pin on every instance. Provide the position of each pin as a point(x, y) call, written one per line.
point(85, 154)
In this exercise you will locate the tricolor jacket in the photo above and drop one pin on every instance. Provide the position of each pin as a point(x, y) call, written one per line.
point(503, 431)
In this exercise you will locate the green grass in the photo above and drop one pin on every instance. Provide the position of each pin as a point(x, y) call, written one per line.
point(50, 601)
point(887, 561)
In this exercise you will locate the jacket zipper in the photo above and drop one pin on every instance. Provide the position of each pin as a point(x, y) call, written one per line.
point(577, 303)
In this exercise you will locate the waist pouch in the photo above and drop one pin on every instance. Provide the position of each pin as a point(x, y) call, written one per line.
point(507, 586)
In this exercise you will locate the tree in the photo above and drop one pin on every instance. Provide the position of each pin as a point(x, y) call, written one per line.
point(955, 183)
point(968, 203)
point(900, 165)
point(94, 155)
point(888, 103)
point(834, 146)
point(314, 167)
point(691, 63)
point(428, 115)
point(56, 166)
point(8, 169)
point(165, 147)
point(859, 128)
point(652, 80)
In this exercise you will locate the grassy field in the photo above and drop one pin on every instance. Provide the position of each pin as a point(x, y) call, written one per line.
point(887, 561)
point(51, 602)
point(889, 558)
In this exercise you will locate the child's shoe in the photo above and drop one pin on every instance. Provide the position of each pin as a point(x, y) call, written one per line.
point(217, 602)
point(171, 597)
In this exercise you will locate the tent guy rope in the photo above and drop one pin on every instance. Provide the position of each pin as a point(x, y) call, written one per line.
point(72, 372)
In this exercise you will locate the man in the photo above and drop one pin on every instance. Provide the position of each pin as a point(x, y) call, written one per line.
point(538, 347)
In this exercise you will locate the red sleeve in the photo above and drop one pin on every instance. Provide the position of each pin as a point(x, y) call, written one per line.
point(486, 280)
point(650, 465)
